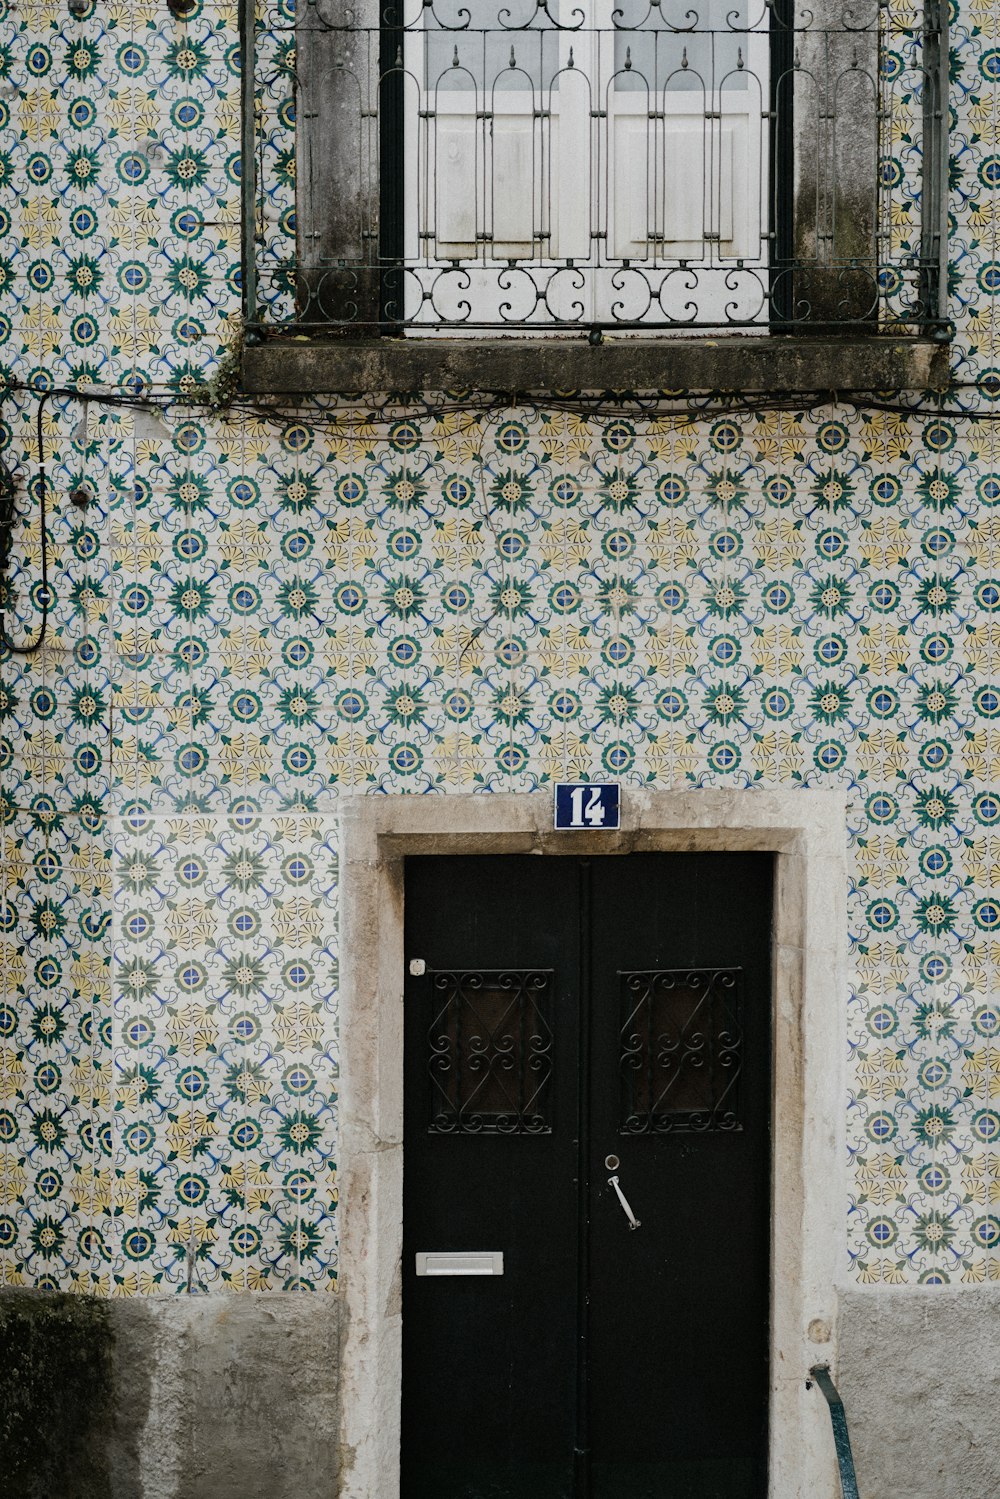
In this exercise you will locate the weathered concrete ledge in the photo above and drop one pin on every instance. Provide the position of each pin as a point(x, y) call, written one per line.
point(752, 364)
point(919, 1370)
point(228, 1396)
point(218, 1396)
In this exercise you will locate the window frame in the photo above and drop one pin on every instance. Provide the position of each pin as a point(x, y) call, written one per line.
point(794, 351)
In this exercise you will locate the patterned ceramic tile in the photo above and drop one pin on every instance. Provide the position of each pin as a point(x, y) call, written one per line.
point(260, 610)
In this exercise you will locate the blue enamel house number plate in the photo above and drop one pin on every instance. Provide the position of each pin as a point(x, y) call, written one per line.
point(582, 804)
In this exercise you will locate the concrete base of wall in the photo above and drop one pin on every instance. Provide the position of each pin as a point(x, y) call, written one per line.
point(194, 1397)
point(919, 1371)
point(236, 1397)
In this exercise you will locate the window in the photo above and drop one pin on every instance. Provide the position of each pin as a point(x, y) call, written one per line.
point(561, 172)
point(466, 169)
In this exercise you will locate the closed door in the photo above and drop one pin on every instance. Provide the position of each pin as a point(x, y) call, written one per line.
point(586, 1177)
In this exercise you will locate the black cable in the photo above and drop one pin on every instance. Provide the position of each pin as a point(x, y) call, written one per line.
point(606, 402)
point(686, 411)
point(8, 514)
point(43, 593)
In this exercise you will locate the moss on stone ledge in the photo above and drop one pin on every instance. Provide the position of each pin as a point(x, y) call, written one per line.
point(56, 1396)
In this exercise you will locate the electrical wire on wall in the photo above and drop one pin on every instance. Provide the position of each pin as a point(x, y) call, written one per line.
point(682, 410)
point(8, 517)
point(685, 408)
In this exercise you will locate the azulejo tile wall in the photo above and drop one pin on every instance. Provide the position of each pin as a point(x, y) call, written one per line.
point(262, 608)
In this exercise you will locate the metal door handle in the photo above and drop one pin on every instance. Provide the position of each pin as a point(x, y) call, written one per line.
point(633, 1221)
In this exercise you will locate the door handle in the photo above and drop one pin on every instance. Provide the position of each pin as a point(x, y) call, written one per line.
point(633, 1221)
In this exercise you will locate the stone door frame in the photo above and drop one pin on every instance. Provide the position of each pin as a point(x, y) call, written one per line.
point(806, 830)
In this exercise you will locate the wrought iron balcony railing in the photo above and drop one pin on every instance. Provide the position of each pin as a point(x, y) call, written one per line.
point(460, 166)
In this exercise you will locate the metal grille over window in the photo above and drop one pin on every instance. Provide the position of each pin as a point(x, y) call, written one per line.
point(429, 166)
point(680, 1051)
point(489, 1052)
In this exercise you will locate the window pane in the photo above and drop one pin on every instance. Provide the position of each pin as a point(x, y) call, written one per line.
point(681, 1050)
point(489, 1053)
point(489, 46)
point(680, 49)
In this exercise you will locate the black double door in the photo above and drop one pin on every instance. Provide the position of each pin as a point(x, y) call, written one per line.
point(587, 1049)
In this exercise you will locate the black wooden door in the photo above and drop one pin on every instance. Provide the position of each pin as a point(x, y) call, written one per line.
point(568, 1021)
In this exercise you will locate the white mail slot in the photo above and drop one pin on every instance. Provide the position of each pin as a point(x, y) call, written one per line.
point(444, 1262)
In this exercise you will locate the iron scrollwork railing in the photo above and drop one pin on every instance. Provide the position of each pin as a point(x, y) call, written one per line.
point(456, 165)
point(490, 1052)
point(680, 1051)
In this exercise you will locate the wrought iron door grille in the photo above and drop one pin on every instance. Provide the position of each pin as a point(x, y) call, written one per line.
point(419, 166)
point(681, 1048)
point(489, 1052)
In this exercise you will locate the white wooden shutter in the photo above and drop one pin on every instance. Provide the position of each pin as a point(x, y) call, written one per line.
point(588, 158)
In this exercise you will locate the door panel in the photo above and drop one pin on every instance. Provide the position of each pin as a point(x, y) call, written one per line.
point(489, 1378)
point(679, 1307)
point(571, 1011)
